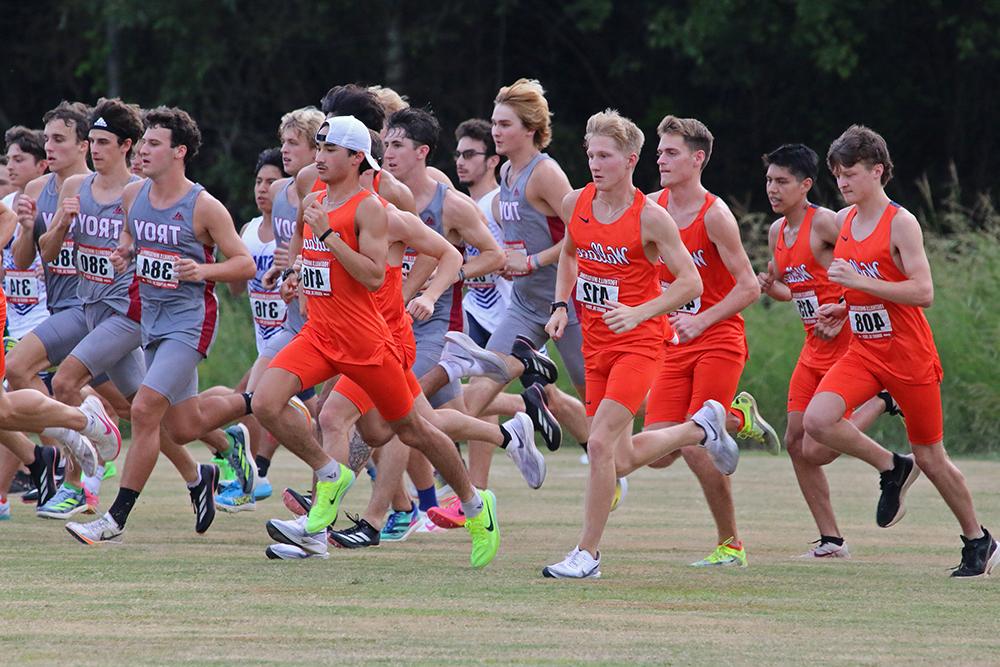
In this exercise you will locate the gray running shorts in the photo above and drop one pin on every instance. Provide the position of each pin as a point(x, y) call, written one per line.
point(112, 347)
point(429, 335)
point(277, 342)
point(172, 370)
point(517, 321)
point(61, 332)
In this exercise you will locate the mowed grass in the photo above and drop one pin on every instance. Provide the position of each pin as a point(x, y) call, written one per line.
point(170, 596)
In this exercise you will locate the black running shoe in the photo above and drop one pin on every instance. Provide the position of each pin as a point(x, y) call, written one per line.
point(30, 497)
point(894, 484)
point(979, 557)
point(361, 534)
point(534, 362)
point(297, 503)
point(203, 497)
point(536, 405)
point(47, 482)
point(21, 483)
point(891, 406)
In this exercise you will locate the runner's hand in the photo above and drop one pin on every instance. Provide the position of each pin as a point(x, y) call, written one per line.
point(621, 318)
point(826, 331)
point(842, 273)
point(315, 217)
point(687, 327)
point(270, 277)
point(420, 307)
point(189, 270)
point(26, 212)
point(831, 313)
point(121, 257)
point(280, 257)
point(290, 288)
point(71, 206)
point(556, 325)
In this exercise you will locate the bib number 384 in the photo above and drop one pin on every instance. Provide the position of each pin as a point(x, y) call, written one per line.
point(157, 268)
point(870, 322)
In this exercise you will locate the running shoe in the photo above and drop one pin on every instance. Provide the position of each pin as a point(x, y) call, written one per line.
point(110, 470)
point(67, 502)
point(93, 500)
point(537, 408)
point(425, 525)
point(979, 557)
point(4, 510)
point(299, 405)
point(203, 497)
point(534, 362)
point(724, 555)
point(754, 426)
point(281, 551)
point(232, 499)
point(485, 531)
point(30, 497)
point(327, 503)
point(20, 484)
point(297, 503)
point(448, 514)
point(46, 482)
point(262, 488)
point(826, 549)
point(294, 533)
point(465, 359)
point(101, 530)
point(361, 534)
point(621, 490)
point(722, 449)
point(894, 484)
point(226, 473)
point(578, 564)
point(522, 450)
point(101, 430)
point(240, 458)
point(400, 525)
point(83, 452)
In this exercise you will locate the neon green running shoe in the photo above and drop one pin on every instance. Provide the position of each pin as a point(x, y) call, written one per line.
point(110, 470)
point(754, 426)
point(724, 555)
point(621, 490)
point(327, 502)
point(485, 531)
point(226, 473)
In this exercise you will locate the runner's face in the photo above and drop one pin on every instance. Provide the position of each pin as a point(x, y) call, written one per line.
point(266, 177)
point(784, 190)
point(62, 150)
point(402, 154)
point(471, 171)
point(296, 151)
point(156, 154)
point(6, 185)
point(609, 165)
point(105, 151)
point(509, 133)
point(23, 167)
point(676, 161)
point(857, 182)
point(136, 165)
point(333, 163)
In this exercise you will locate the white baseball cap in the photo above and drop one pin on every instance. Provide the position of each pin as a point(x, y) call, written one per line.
point(350, 133)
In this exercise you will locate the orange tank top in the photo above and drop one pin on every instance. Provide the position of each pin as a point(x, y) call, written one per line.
point(716, 280)
point(343, 313)
point(612, 266)
point(892, 337)
point(389, 298)
point(806, 278)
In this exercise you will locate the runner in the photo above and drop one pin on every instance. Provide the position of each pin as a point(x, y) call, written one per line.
point(346, 333)
point(609, 262)
point(172, 230)
point(708, 360)
point(880, 261)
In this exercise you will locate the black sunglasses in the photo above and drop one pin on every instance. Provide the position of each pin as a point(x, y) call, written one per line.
point(468, 154)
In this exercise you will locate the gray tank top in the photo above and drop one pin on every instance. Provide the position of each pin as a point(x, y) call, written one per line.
point(527, 230)
point(448, 308)
point(187, 312)
point(283, 216)
point(60, 273)
point(95, 232)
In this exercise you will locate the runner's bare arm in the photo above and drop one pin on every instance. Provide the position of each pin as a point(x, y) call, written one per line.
point(546, 190)
point(566, 272)
point(367, 264)
point(23, 250)
point(67, 207)
point(464, 220)
point(8, 223)
point(214, 226)
point(437, 251)
point(769, 281)
point(238, 287)
point(396, 193)
point(724, 232)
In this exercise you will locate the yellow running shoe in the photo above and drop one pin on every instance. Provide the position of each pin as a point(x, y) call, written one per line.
point(327, 502)
point(621, 490)
point(485, 531)
point(754, 426)
point(724, 554)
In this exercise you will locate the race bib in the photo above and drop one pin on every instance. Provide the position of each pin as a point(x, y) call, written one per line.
point(21, 287)
point(516, 247)
point(409, 257)
point(808, 306)
point(268, 308)
point(870, 322)
point(157, 268)
point(489, 281)
point(315, 277)
point(63, 264)
point(95, 264)
point(593, 292)
point(692, 307)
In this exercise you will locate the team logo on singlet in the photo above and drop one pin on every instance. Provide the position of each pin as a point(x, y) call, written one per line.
point(604, 254)
point(508, 210)
point(157, 232)
point(796, 274)
point(316, 244)
point(178, 216)
point(866, 269)
point(91, 225)
point(699, 257)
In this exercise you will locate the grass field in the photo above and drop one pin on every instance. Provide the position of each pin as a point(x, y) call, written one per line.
point(170, 596)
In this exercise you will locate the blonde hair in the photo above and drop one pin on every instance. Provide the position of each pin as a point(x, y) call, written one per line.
point(527, 98)
point(306, 121)
point(609, 123)
point(696, 136)
point(390, 100)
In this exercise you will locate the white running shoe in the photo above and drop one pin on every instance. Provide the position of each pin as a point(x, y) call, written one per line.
point(83, 452)
point(294, 533)
point(425, 525)
point(281, 551)
point(827, 550)
point(578, 564)
point(103, 432)
point(464, 358)
point(522, 450)
point(104, 529)
point(720, 445)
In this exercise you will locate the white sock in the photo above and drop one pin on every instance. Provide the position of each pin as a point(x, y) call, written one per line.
point(452, 368)
point(329, 472)
point(474, 507)
point(57, 433)
point(92, 483)
point(197, 481)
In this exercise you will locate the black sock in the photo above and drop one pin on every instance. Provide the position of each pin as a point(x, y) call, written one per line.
point(263, 463)
point(123, 505)
point(506, 437)
point(248, 397)
point(36, 467)
point(839, 541)
point(584, 445)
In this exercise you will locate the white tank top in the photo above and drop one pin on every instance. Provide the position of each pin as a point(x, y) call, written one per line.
point(487, 297)
point(266, 306)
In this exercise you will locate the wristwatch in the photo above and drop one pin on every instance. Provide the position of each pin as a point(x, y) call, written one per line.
point(287, 272)
point(558, 304)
